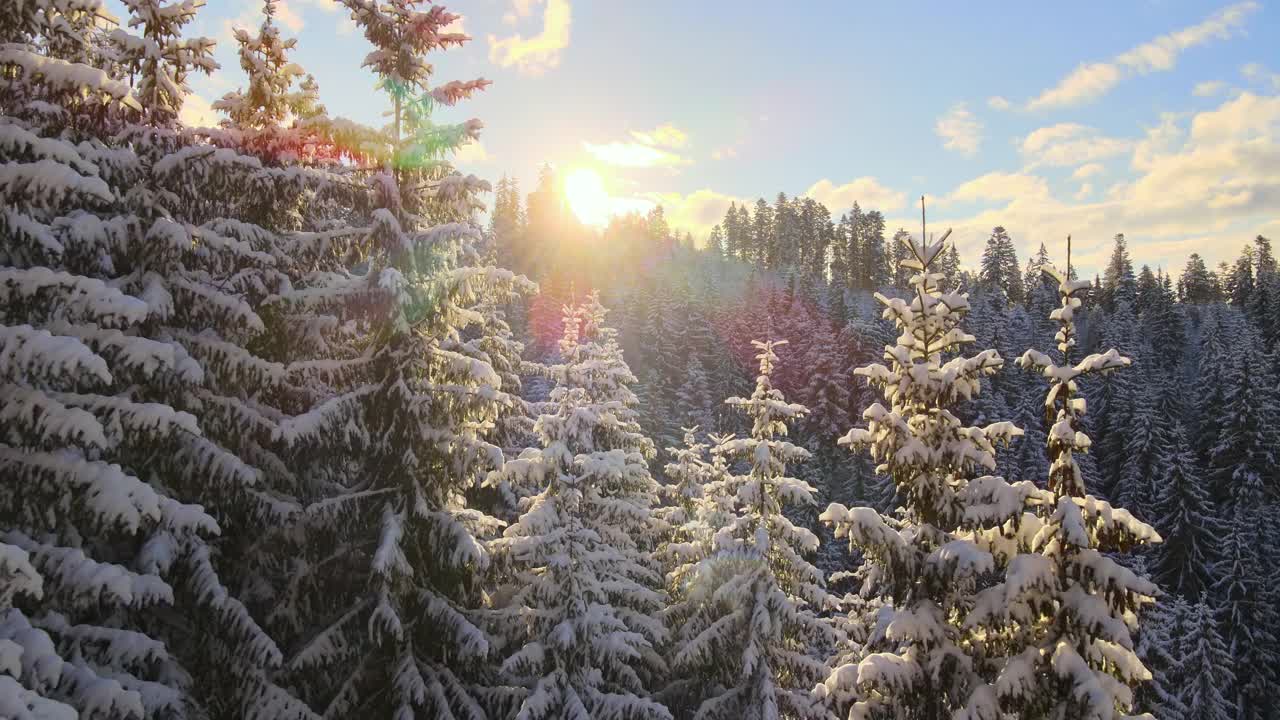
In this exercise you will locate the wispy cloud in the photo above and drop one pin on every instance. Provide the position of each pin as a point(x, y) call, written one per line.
point(866, 191)
point(536, 54)
point(1001, 186)
point(633, 154)
point(1258, 73)
point(1208, 88)
point(997, 102)
point(1067, 144)
point(648, 148)
point(1088, 171)
point(1091, 81)
point(665, 135)
point(960, 130)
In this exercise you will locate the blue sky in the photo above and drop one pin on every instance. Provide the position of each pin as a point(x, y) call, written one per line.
point(1159, 119)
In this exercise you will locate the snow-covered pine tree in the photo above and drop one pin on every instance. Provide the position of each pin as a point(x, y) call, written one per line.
point(922, 661)
point(1213, 357)
point(159, 59)
point(693, 404)
point(750, 636)
point(1188, 521)
point(824, 387)
point(1118, 286)
point(687, 472)
point(691, 519)
point(1146, 445)
point(388, 558)
point(126, 320)
point(1066, 610)
point(1113, 401)
point(1247, 612)
point(1159, 646)
point(665, 365)
point(1206, 668)
point(309, 160)
point(692, 516)
point(1027, 461)
point(1242, 463)
point(999, 270)
point(580, 609)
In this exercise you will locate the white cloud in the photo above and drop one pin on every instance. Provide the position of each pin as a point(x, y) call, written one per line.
point(1067, 144)
point(630, 154)
point(1208, 88)
point(1206, 182)
point(866, 191)
point(696, 212)
point(536, 54)
point(647, 150)
point(997, 102)
point(197, 112)
point(665, 135)
point(1258, 73)
point(1159, 140)
point(472, 153)
point(1092, 80)
point(1245, 117)
point(724, 153)
point(1001, 186)
point(288, 16)
point(459, 26)
point(959, 130)
point(1087, 171)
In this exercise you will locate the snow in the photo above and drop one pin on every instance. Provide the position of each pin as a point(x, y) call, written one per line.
point(262, 379)
point(65, 75)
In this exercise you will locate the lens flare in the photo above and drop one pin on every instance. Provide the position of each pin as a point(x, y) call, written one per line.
point(587, 198)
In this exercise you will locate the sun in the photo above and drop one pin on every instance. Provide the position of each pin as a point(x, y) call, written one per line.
point(587, 198)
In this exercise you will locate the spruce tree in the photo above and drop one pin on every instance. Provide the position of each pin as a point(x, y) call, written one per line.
point(1207, 677)
point(1264, 303)
point(1118, 283)
point(159, 58)
point(1211, 359)
point(1195, 286)
point(748, 635)
point(1242, 463)
point(1239, 279)
point(580, 610)
point(411, 389)
point(693, 405)
point(1246, 601)
point(1114, 402)
point(760, 234)
point(999, 268)
point(922, 661)
point(715, 243)
point(1159, 645)
point(1066, 609)
point(127, 374)
point(1187, 520)
point(873, 262)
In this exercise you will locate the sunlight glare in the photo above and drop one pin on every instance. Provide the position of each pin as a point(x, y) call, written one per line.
point(587, 198)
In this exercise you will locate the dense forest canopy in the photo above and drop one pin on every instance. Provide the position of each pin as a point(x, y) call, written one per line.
point(287, 432)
